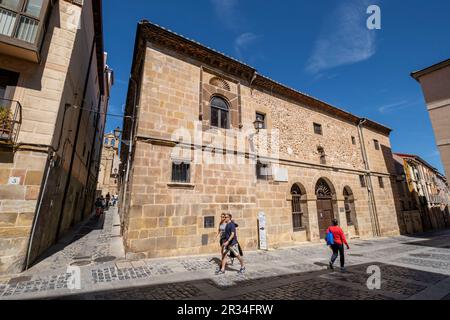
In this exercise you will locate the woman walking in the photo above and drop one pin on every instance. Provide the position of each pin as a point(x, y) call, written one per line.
point(221, 231)
point(338, 245)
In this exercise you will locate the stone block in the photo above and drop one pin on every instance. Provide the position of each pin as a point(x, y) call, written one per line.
point(12, 192)
point(166, 243)
point(8, 219)
point(33, 178)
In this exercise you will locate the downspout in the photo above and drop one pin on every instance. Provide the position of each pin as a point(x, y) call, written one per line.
point(66, 191)
point(367, 177)
point(50, 164)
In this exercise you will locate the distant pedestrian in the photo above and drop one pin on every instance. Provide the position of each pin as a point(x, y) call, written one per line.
point(231, 245)
point(99, 206)
point(108, 199)
point(337, 244)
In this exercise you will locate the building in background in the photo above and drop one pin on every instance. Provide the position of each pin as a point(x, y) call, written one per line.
point(435, 82)
point(423, 195)
point(185, 96)
point(54, 91)
point(108, 179)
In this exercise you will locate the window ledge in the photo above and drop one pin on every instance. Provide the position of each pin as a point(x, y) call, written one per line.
point(300, 229)
point(180, 185)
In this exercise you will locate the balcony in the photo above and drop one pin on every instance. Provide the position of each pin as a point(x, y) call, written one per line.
point(22, 26)
point(10, 121)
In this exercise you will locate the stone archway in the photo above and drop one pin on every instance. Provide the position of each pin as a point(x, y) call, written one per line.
point(325, 209)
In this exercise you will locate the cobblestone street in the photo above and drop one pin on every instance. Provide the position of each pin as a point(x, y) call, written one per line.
point(411, 268)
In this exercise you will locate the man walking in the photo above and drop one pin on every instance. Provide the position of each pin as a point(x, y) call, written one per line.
point(231, 244)
point(338, 245)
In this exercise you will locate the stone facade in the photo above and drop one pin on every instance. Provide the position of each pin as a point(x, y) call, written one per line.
point(48, 172)
point(109, 167)
point(423, 195)
point(435, 83)
point(176, 80)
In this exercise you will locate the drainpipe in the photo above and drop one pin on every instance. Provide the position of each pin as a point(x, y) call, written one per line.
point(50, 164)
point(367, 177)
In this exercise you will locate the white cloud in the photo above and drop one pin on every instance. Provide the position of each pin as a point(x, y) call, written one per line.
point(243, 41)
point(344, 38)
point(226, 11)
point(393, 106)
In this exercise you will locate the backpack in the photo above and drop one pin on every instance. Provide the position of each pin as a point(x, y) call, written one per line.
point(329, 238)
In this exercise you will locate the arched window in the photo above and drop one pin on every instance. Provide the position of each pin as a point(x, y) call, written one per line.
point(297, 212)
point(106, 141)
point(219, 113)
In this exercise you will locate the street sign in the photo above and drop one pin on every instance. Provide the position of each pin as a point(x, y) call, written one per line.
point(262, 231)
point(14, 181)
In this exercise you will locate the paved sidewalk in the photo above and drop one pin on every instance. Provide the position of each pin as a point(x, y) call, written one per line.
point(411, 268)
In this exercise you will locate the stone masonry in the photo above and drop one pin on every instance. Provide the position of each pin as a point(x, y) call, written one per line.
point(162, 218)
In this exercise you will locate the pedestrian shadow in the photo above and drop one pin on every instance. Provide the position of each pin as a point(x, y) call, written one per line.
point(218, 262)
point(317, 285)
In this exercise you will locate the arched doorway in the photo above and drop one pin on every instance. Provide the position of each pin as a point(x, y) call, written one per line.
point(350, 209)
point(325, 210)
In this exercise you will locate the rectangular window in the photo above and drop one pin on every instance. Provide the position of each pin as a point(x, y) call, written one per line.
point(353, 140)
point(362, 180)
point(377, 144)
point(181, 172)
point(7, 22)
point(22, 19)
point(297, 213)
point(318, 129)
point(209, 223)
point(34, 7)
point(7, 79)
point(261, 118)
point(381, 182)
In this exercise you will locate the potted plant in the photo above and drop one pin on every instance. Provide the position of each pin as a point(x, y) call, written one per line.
point(5, 123)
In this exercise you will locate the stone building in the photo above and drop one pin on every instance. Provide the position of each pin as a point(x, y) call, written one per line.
point(435, 82)
point(185, 99)
point(55, 83)
point(423, 195)
point(108, 179)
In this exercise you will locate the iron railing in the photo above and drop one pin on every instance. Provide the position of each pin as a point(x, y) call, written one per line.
point(10, 125)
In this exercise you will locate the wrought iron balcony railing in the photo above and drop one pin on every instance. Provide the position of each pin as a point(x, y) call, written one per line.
point(10, 120)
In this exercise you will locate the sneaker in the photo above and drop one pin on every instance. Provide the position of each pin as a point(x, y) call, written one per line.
point(242, 271)
point(330, 265)
point(343, 270)
point(220, 272)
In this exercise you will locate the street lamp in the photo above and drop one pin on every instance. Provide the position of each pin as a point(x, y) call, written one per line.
point(117, 133)
point(259, 124)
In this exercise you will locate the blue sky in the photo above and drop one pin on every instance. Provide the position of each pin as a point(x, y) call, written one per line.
point(321, 48)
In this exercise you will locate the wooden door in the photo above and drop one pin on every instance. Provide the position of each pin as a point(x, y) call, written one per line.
point(325, 215)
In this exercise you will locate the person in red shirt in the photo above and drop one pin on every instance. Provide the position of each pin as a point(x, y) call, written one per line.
point(338, 246)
